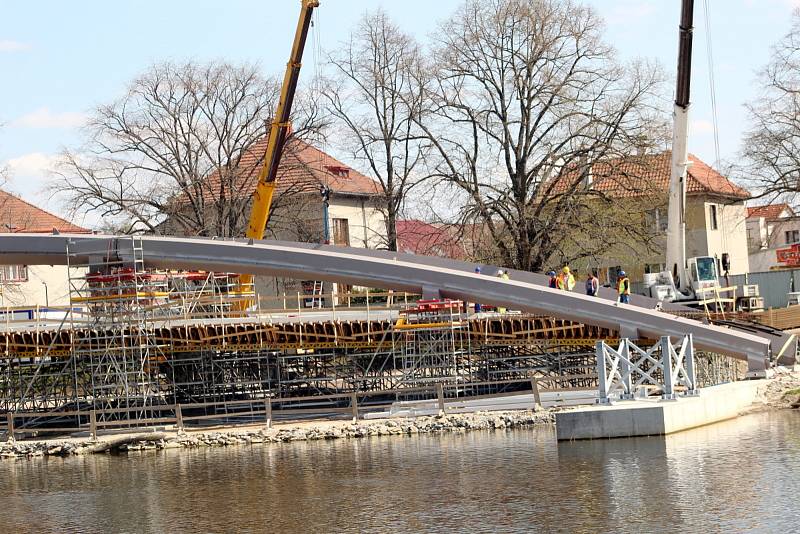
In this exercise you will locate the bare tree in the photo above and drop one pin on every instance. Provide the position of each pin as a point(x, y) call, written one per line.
point(525, 99)
point(771, 146)
point(374, 98)
point(175, 153)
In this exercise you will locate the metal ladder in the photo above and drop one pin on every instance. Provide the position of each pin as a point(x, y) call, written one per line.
point(316, 294)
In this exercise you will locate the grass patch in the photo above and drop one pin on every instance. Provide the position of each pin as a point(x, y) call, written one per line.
point(795, 391)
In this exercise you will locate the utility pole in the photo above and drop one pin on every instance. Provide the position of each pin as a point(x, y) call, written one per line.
point(326, 225)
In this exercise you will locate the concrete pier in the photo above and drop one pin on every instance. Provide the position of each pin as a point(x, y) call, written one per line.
point(655, 417)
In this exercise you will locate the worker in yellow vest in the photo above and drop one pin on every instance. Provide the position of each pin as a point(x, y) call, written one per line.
point(566, 281)
point(503, 275)
point(624, 287)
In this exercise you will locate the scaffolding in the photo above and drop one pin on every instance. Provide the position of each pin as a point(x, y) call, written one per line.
point(433, 345)
point(118, 302)
point(135, 342)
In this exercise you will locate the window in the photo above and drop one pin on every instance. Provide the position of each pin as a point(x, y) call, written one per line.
point(657, 220)
point(713, 217)
point(13, 273)
point(338, 170)
point(654, 268)
point(341, 232)
point(792, 236)
point(705, 270)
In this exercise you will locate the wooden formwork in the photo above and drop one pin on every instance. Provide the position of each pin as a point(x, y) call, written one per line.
point(263, 335)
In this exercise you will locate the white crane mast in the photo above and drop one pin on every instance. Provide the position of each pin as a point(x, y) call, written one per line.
point(676, 216)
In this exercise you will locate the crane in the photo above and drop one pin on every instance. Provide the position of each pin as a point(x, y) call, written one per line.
point(685, 279)
point(265, 187)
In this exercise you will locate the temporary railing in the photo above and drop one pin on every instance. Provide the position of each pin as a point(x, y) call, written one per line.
point(42, 317)
point(250, 411)
point(666, 366)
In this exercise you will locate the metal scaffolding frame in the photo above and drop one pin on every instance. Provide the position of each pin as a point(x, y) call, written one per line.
point(141, 341)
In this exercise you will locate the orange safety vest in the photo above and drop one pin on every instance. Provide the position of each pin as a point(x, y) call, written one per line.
point(566, 281)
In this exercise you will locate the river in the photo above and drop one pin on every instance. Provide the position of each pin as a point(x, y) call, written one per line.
point(735, 476)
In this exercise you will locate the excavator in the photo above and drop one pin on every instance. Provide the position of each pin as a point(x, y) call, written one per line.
point(279, 130)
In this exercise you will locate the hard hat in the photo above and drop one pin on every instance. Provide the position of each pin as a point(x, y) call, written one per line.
point(551, 273)
point(566, 270)
point(622, 273)
point(478, 270)
point(499, 272)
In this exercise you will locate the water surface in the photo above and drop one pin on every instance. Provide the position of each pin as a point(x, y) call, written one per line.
point(735, 476)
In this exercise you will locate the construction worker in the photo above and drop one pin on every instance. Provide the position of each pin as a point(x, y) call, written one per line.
point(623, 287)
point(566, 281)
point(503, 276)
point(592, 284)
point(553, 280)
point(477, 304)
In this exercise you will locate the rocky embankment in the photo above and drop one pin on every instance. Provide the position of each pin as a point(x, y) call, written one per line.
point(782, 390)
point(335, 430)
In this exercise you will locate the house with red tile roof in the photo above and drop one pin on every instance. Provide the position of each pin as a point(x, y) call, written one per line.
point(29, 286)
point(715, 212)
point(771, 227)
point(355, 218)
point(429, 239)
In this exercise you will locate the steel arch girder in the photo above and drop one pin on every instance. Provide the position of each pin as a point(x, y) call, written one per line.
point(403, 272)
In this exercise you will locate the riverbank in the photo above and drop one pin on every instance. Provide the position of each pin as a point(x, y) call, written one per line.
point(250, 435)
point(782, 391)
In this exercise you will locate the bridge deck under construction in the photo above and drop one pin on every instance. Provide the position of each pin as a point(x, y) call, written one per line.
point(271, 333)
point(136, 340)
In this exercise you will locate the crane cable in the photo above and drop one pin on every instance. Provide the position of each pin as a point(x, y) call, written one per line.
point(316, 90)
point(714, 119)
point(712, 83)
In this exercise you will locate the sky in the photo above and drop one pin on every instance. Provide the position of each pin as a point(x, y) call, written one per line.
point(59, 60)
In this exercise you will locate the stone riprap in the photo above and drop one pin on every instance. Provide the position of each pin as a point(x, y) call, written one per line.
point(389, 427)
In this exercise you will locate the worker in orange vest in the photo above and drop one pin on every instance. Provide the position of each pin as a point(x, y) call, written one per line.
point(566, 281)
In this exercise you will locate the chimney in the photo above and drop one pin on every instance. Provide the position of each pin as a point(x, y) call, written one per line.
point(588, 177)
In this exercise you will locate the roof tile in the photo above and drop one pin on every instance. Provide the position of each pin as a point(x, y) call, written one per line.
point(19, 216)
point(637, 176)
point(770, 212)
point(303, 168)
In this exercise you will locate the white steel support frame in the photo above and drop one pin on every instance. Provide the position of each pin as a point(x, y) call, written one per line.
point(677, 365)
point(664, 365)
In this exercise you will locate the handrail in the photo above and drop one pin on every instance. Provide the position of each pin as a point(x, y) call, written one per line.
point(268, 411)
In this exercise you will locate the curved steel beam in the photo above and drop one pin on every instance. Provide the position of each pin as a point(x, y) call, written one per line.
point(405, 272)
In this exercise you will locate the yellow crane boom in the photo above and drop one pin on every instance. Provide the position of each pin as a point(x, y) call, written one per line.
point(279, 129)
point(262, 197)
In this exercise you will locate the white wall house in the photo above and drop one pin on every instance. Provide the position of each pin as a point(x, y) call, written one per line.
point(355, 217)
point(715, 214)
point(34, 285)
point(773, 237)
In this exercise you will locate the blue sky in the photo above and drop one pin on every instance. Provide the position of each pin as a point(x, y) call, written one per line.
point(60, 59)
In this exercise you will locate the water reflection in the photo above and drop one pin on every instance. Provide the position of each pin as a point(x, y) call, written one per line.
point(733, 476)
